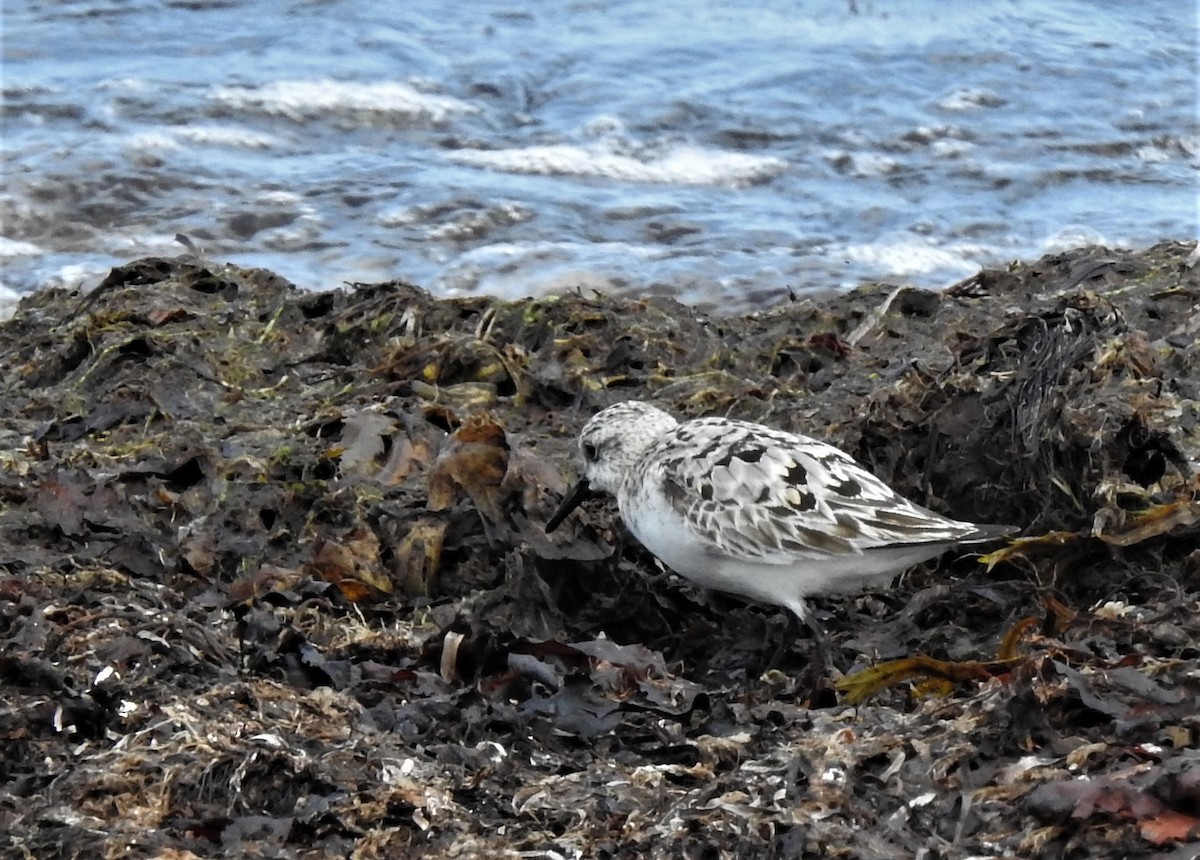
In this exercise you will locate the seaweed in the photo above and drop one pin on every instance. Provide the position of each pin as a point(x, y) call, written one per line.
point(273, 578)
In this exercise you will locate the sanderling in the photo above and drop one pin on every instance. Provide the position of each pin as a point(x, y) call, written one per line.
point(744, 508)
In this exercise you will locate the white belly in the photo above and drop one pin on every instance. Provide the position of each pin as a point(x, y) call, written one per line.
point(664, 532)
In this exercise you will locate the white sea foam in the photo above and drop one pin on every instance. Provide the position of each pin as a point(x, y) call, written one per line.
point(863, 164)
point(951, 148)
point(8, 301)
point(1072, 236)
point(75, 276)
point(126, 84)
point(154, 141)
point(301, 100)
point(231, 136)
point(144, 243)
point(282, 197)
point(969, 98)
point(171, 139)
point(681, 165)
point(536, 268)
point(913, 257)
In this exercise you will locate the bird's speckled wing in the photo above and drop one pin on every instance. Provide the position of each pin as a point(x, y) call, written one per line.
point(765, 495)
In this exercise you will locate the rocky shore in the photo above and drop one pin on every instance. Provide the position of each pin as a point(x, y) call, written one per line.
point(274, 580)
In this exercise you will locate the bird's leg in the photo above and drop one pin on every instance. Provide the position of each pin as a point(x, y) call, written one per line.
point(821, 656)
point(801, 612)
point(790, 630)
point(821, 668)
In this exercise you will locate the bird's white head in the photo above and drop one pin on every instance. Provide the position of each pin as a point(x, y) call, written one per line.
point(616, 438)
point(611, 443)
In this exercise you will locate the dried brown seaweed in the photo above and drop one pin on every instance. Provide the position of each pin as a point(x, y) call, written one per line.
point(273, 581)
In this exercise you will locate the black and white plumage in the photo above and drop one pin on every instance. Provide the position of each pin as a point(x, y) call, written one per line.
point(747, 509)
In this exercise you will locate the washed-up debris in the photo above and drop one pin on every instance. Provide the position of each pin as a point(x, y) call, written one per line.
point(274, 579)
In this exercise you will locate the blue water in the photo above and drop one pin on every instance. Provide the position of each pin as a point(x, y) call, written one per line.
point(715, 153)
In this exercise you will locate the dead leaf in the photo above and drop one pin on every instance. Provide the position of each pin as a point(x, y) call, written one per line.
point(418, 558)
point(61, 501)
point(158, 316)
point(382, 447)
point(361, 443)
point(1159, 520)
point(1010, 647)
point(1021, 547)
point(474, 460)
point(1170, 826)
point(865, 683)
point(266, 579)
point(70, 501)
point(1061, 615)
point(353, 565)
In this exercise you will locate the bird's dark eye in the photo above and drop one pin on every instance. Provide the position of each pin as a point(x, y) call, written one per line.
point(589, 451)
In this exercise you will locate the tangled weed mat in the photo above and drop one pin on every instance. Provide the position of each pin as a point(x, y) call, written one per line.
point(273, 578)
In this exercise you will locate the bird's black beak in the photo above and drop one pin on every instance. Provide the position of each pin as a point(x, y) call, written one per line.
point(570, 502)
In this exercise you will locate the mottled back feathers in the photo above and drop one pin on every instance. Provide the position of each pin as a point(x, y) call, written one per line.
point(754, 493)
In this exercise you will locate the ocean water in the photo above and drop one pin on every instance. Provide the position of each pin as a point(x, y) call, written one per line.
point(721, 153)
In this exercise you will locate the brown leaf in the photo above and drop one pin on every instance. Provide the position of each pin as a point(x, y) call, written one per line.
point(198, 550)
point(419, 557)
point(353, 565)
point(1170, 826)
point(61, 501)
point(266, 579)
point(404, 458)
point(158, 316)
point(867, 682)
point(1022, 547)
point(69, 501)
point(1064, 799)
point(475, 460)
point(381, 447)
point(1010, 648)
point(1063, 616)
point(1159, 520)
